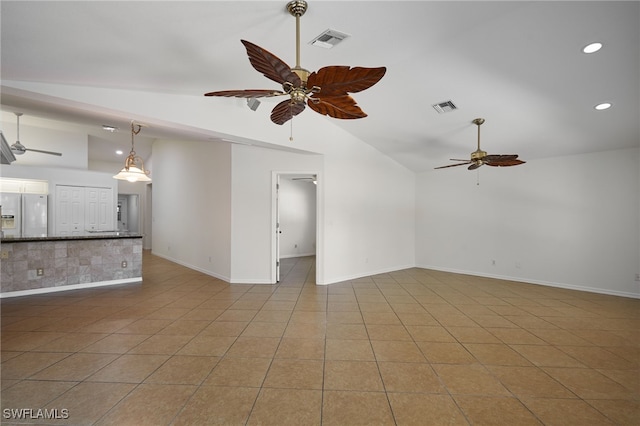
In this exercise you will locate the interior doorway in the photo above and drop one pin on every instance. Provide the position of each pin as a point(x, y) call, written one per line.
point(128, 212)
point(295, 210)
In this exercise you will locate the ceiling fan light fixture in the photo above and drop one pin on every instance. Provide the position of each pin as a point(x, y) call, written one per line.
point(133, 170)
point(592, 48)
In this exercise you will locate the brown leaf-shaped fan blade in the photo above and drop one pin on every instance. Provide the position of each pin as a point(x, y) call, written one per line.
point(343, 107)
point(502, 160)
point(338, 80)
point(285, 111)
point(474, 166)
point(270, 65)
point(258, 93)
point(500, 157)
point(453, 165)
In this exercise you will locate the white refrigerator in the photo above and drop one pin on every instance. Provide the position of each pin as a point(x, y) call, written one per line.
point(24, 215)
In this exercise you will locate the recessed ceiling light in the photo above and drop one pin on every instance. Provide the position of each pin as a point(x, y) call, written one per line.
point(592, 48)
point(603, 106)
point(119, 152)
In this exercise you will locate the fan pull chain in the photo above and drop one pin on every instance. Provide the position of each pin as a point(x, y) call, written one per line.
point(291, 134)
point(478, 177)
point(291, 123)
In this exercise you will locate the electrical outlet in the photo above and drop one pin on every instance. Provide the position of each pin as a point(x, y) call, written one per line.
point(124, 263)
point(40, 272)
point(493, 262)
point(4, 254)
point(637, 277)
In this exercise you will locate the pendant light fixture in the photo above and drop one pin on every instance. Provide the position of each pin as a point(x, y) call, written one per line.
point(133, 170)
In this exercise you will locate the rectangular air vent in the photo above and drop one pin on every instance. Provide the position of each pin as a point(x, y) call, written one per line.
point(443, 107)
point(328, 39)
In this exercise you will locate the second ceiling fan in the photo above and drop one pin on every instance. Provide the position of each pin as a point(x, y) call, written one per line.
point(325, 91)
point(480, 157)
point(18, 149)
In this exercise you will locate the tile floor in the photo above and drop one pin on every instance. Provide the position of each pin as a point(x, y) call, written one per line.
point(410, 347)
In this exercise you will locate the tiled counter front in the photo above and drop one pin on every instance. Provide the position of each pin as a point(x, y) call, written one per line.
point(68, 264)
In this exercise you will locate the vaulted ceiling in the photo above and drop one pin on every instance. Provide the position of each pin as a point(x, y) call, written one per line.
point(518, 64)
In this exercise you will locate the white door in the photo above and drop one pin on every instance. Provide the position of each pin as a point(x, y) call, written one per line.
point(105, 209)
point(69, 210)
point(91, 213)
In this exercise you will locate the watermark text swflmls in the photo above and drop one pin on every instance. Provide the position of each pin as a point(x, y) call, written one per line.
point(35, 413)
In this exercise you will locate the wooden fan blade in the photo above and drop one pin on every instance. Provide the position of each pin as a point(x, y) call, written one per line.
point(343, 107)
point(454, 165)
point(257, 93)
point(338, 80)
point(499, 157)
point(504, 163)
point(474, 166)
point(285, 111)
point(502, 160)
point(270, 65)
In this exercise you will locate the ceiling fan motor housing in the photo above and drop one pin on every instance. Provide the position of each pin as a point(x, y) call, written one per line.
point(297, 8)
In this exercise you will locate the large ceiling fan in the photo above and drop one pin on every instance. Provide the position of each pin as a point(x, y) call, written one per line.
point(325, 91)
point(479, 157)
point(19, 149)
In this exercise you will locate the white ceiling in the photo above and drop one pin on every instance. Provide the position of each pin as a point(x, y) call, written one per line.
point(517, 64)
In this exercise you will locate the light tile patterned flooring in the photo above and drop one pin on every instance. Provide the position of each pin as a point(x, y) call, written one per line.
point(410, 347)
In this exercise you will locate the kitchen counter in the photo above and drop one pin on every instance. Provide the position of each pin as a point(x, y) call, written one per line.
point(90, 235)
point(35, 265)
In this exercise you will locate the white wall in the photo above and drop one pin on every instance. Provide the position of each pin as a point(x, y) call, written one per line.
point(366, 205)
point(568, 221)
point(297, 215)
point(252, 229)
point(191, 213)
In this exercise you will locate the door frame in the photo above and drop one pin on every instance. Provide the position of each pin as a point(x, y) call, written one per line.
point(275, 179)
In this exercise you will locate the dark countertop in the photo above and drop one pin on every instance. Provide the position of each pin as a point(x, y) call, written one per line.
point(87, 236)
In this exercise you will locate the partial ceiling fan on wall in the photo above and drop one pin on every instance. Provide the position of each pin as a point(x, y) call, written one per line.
point(480, 157)
point(313, 179)
point(325, 91)
point(18, 149)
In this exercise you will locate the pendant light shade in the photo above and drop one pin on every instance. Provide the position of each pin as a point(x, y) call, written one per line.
point(133, 170)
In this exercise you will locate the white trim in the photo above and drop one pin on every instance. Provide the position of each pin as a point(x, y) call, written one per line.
point(367, 274)
point(69, 287)
point(291, 256)
point(195, 268)
point(536, 282)
point(319, 222)
point(250, 281)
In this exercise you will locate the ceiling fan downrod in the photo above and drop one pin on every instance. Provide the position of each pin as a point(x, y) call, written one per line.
point(297, 8)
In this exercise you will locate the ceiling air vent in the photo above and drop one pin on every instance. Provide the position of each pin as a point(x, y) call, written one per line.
point(328, 39)
point(443, 107)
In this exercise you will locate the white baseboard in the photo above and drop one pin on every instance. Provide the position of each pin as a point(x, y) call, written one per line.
point(364, 274)
point(195, 268)
point(69, 287)
point(536, 282)
point(289, 256)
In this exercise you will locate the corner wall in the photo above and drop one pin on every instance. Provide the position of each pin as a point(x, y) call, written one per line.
point(569, 222)
point(191, 205)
